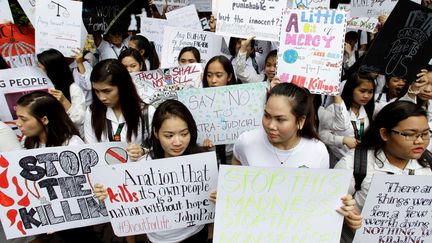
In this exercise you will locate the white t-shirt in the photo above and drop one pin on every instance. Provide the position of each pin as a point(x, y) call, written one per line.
point(73, 141)
point(253, 148)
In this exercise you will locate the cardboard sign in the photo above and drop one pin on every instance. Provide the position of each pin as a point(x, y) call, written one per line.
point(373, 8)
point(207, 43)
point(223, 113)
point(49, 189)
point(5, 12)
point(397, 209)
point(58, 26)
point(17, 45)
point(259, 204)
point(185, 17)
point(156, 86)
point(258, 18)
point(158, 195)
point(311, 49)
point(404, 45)
point(16, 82)
point(29, 7)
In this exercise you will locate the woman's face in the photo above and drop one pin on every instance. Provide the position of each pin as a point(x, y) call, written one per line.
point(270, 67)
point(115, 39)
point(107, 94)
point(395, 86)
point(216, 75)
point(173, 136)
point(28, 124)
point(279, 122)
point(133, 45)
point(426, 92)
point(131, 64)
point(397, 146)
point(363, 93)
point(187, 58)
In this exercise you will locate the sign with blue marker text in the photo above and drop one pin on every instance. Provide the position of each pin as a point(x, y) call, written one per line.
point(277, 204)
point(49, 189)
point(311, 48)
point(223, 113)
point(158, 195)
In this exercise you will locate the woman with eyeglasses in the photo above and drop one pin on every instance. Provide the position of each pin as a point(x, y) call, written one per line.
point(396, 144)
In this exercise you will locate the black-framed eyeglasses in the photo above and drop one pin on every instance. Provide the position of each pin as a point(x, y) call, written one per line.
point(414, 136)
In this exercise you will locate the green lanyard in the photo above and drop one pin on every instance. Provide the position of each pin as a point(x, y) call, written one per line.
point(116, 136)
point(358, 133)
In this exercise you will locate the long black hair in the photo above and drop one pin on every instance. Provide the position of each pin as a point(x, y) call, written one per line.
point(149, 49)
point(227, 66)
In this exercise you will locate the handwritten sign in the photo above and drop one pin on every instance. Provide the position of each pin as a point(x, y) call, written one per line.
point(175, 39)
point(311, 49)
point(152, 29)
point(404, 45)
point(29, 7)
point(185, 17)
point(156, 86)
point(16, 82)
point(5, 12)
point(203, 5)
point(157, 195)
point(49, 189)
point(17, 45)
point(373, 8)
point(239, 18)
point(279, 204)
point(367, 24)
point(181, 3)
point(309, 4)
point(397, 209)
point(223, 113)
point(58, 26)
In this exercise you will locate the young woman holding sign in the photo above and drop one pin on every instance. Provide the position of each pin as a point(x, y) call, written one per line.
point(117, 112)
point(132, 60)
point(174, 133)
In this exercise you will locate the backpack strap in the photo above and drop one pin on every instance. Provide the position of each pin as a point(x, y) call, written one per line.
point(360, 166)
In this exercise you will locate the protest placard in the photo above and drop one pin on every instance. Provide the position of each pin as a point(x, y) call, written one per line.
point(5, 12)
point(404, 44)
point(184, 17)
point(153, 30)
point(223, 113)
point(202, 5)
point(261, 19)
point(207, 43)
point(49, 189)
point(29, 8)
point(367, 24)
point(58, 25)
point(311, 49)
point(397, 209)
point(17, 45)
point(373, 8)
point(158, 195)
point(156, 86)
point(260, 204)
point(309, 4)
point(181, 3)
point(16, 82)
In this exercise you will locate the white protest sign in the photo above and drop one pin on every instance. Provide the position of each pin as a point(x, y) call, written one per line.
point(223, 113)
point(58, 25)
point(207, 43)
point(153, 29)
point(279, 204)
point(5, 12)
point(181, 3)
point(373, 8)
point(311, 49)
point(156, 86)
point(17, 82)
point(257, 18)
point(185, 17)
point(367, 24)
point(158, 195)
point(202, 5)
point(397, 209)
point(29, 7)
point(49, 189)
point(309, 4)
point(17, 45)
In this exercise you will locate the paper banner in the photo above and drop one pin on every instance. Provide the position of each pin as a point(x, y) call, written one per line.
point(17, 45)
point(397, 209)
point(156, 86)
point(58, 25)
point(259, 204)
point(49, 189)
point(158, 195)
point(207, 43)
point(258, 18)
point(404, 45)
point(185, 17)
point(223, 113)
point(311, 49)
point(373, 8)
point(153, 29)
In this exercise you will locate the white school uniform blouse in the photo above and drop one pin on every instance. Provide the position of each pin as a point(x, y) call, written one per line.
point(83, 80)
point(110, 51)
point(77, 110)
point(244, 69)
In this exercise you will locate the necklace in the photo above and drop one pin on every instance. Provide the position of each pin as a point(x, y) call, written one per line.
point(280, 160)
